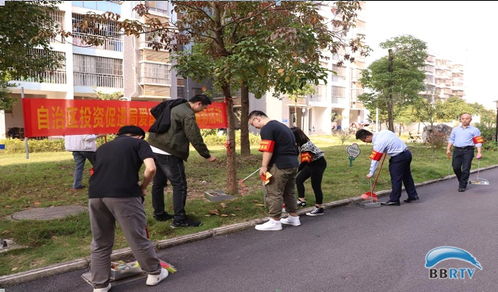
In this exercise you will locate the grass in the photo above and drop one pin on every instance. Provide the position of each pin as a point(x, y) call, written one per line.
point(45, 179)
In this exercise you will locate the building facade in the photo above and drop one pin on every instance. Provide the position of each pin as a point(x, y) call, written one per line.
point(121, 66)
point(443, 79)
point(334, 105)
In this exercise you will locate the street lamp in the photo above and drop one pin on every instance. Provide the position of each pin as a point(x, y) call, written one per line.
point(496, 131)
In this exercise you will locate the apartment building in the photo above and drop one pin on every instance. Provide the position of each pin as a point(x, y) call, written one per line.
point(443, 79)
point(334, 103)
point(122, 65)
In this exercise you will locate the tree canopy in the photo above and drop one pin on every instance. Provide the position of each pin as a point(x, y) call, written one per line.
point(395, 81)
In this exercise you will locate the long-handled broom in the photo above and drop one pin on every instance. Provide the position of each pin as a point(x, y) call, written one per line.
point(371, 196)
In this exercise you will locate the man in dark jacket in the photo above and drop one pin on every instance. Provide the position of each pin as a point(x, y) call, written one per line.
point(171, 149)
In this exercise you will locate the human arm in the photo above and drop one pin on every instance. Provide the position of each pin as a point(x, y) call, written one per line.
point(193, 134)
point(451, 141)
point(149, 172)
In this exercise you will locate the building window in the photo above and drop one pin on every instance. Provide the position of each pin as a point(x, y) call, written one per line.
point(98, 71)
point(338, 92)
point(155, 73)
point(108, 32)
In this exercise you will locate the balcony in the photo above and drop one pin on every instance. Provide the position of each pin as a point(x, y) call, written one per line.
point(98, 80)
point(111, 44)
point(54, 77)
point(98, 5)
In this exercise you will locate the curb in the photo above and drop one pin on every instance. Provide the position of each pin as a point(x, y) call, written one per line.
point(124, 253)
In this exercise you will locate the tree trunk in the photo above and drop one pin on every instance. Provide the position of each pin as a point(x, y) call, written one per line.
point(390, 118)
point(245, 145)
point(232, 187)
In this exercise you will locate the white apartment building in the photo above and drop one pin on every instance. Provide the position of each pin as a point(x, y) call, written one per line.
point(443, 79)
point(121, 64)
point(337, 99)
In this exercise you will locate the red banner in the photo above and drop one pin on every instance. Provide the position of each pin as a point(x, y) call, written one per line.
point(213, 117)
point(57, 117)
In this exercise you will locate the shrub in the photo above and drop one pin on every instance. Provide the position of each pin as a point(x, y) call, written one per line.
point(436, 139)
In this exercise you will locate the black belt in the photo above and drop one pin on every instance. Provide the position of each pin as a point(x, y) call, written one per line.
point(464, 148)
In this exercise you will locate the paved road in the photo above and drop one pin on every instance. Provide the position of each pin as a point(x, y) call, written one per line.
point(348, 249)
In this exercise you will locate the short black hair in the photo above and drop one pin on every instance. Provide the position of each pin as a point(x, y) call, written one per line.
point(362, 134)
point(204, 99)
point(257, 114)
point(300, 136)
point(131, 130)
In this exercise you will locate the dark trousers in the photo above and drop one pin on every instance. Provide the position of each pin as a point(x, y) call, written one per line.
point(399, 168)
point(170, 168)
point(462, 161)
point(314, 170)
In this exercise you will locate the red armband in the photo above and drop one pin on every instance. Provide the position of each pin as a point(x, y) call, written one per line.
point(376, 155)
point(92, 171)
point(478, 139)
point(306, 157)
point(266, 146)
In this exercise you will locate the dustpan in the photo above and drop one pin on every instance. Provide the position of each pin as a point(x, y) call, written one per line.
point(479, 180)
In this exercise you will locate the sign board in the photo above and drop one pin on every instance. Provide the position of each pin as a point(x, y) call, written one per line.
point(57, 117)
point(353, 151)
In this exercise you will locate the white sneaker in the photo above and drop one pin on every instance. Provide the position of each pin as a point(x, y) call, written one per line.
point(156, 279)
point(291, 220)
point(271, 225)
point(105, 289)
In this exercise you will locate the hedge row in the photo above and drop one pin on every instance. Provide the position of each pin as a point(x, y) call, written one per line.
point(56, 145)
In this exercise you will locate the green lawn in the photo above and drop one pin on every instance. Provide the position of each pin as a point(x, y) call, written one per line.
point(45, 179)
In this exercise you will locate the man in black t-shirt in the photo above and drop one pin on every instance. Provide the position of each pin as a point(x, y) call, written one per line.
point(280, 160)
point(115, 194)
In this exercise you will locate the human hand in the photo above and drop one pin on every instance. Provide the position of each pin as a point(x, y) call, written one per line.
point(262, 171)
point(211, 158)
point(369, 176)
point(448, 153)
point(479, 156)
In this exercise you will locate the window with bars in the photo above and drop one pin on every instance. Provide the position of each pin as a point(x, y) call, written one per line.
point(338, 92)
point(56, 76)
point(108, 31)
point(98, 71)
point(157, 6)
point(155, 73)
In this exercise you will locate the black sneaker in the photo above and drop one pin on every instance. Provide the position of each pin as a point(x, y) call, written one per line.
point(301, 203)
point(185, 223)
point(316, 212)
point(163, 217)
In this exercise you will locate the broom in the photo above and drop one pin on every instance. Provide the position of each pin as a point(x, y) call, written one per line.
point(371, 195)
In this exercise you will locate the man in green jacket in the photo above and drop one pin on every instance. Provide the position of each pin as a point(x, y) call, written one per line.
point(171, 148)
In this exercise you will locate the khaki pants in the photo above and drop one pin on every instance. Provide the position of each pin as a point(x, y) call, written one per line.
point(130, 214)
point(281, 190)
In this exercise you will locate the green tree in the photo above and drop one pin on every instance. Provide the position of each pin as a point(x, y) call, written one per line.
point(395, 81)
point(252, 46)
point(25, 52)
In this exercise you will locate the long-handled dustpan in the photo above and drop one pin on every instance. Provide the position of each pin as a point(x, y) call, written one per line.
point(479, 180)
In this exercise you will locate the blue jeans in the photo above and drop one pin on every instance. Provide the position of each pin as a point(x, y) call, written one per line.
point(79, 159)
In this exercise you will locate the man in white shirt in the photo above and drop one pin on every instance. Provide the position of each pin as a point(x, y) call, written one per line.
point(83, 148)
point(387, 143)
